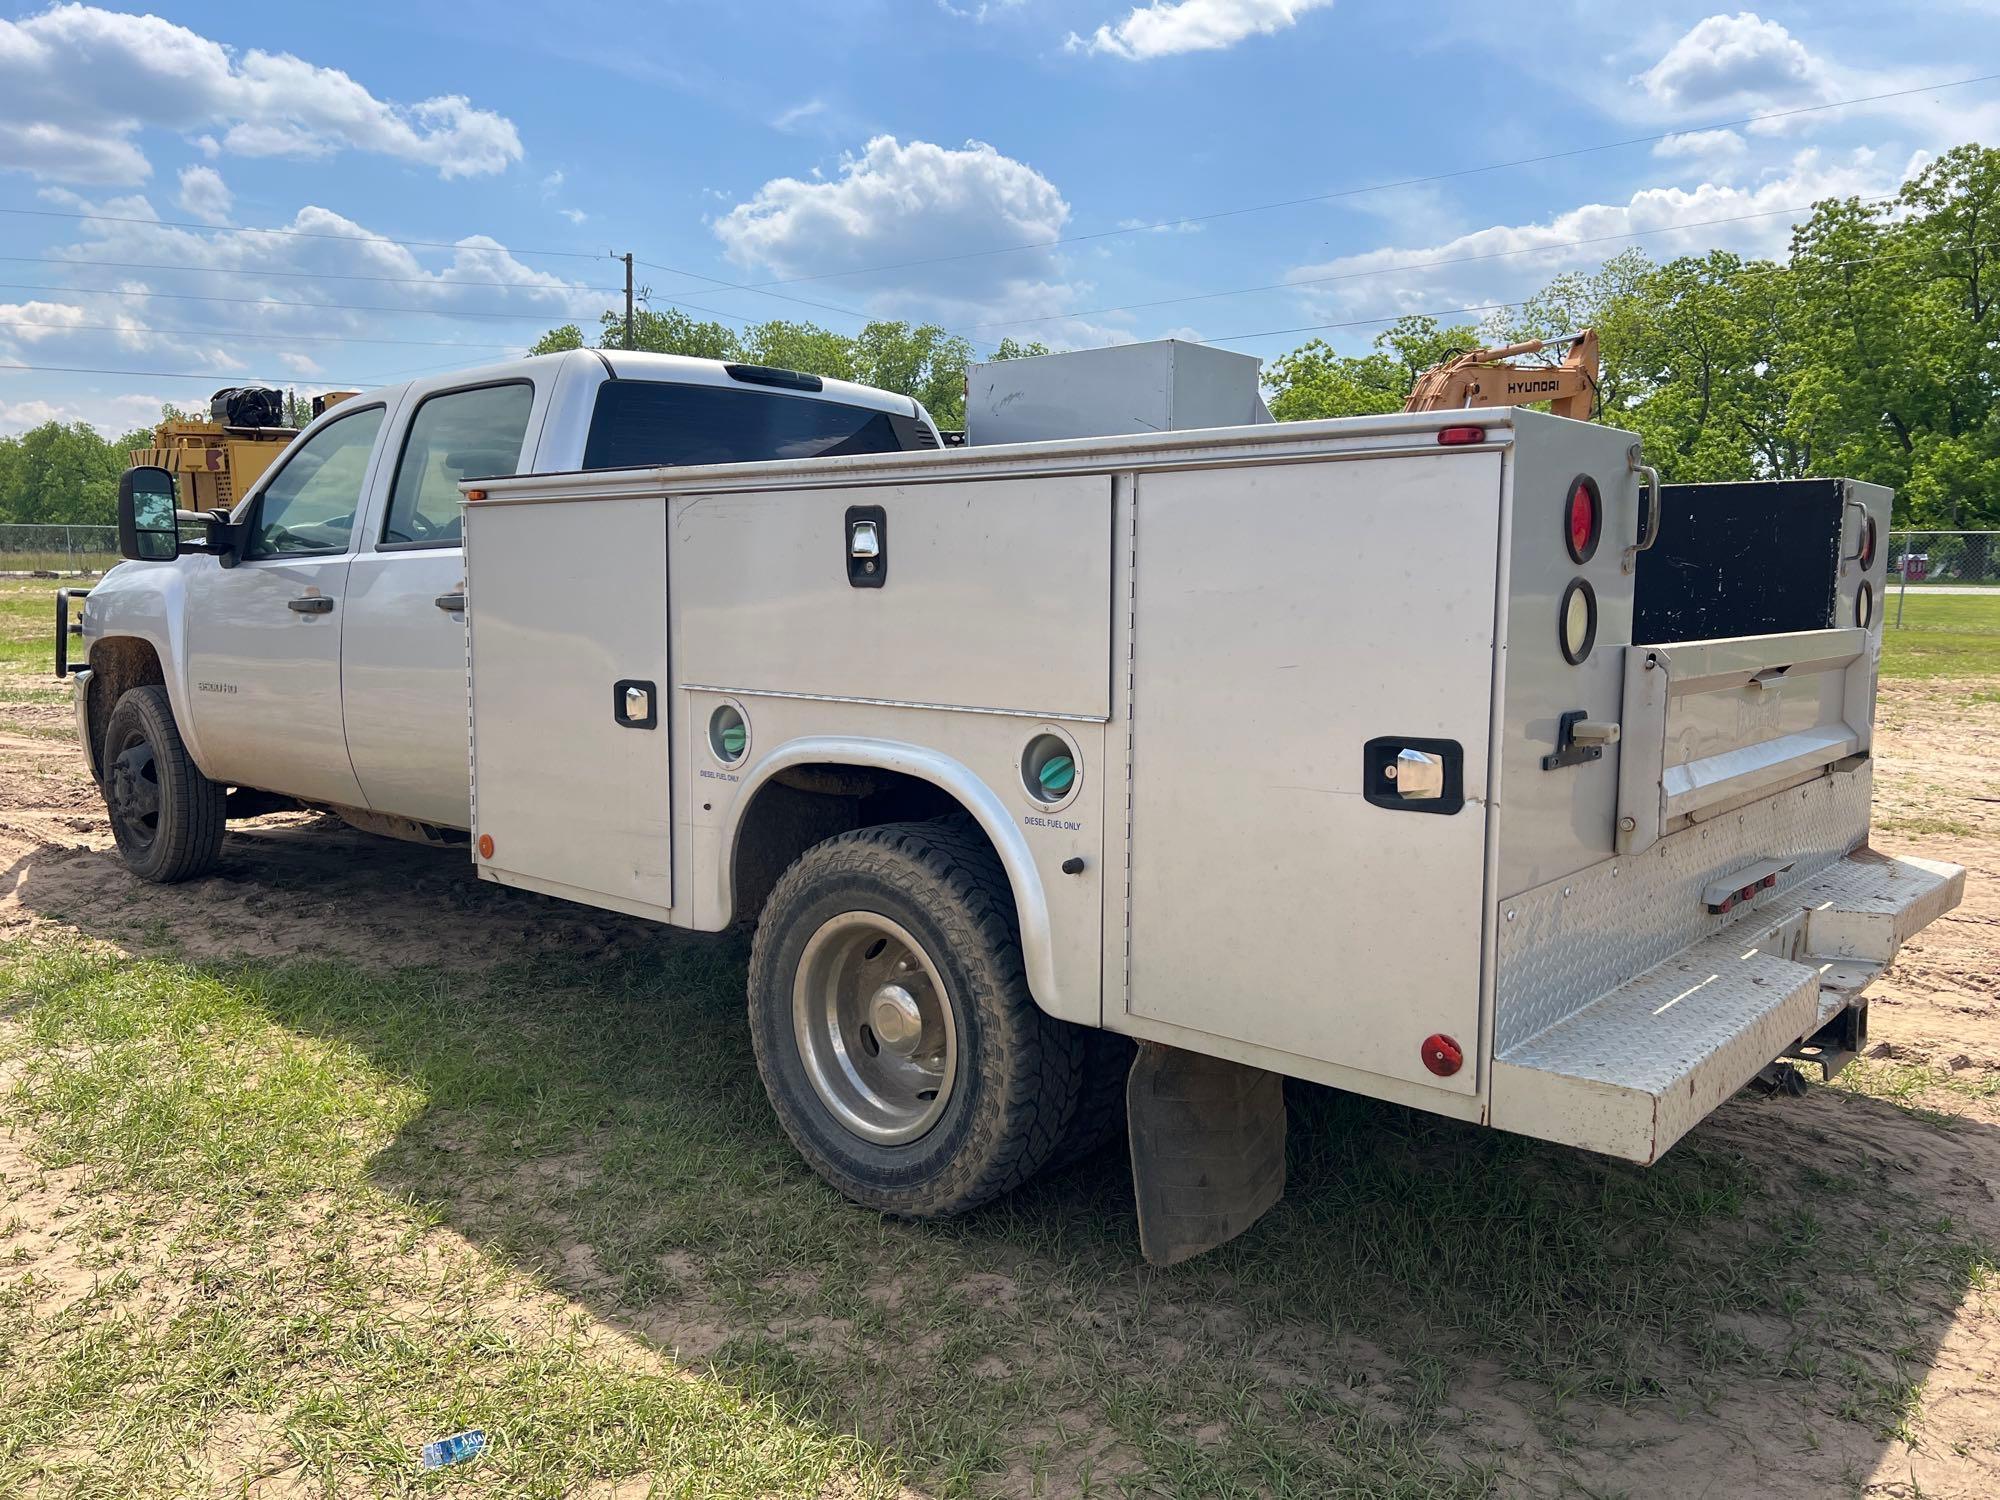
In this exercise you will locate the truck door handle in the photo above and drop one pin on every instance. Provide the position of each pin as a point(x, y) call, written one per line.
point(311, 604)
point(452, 603)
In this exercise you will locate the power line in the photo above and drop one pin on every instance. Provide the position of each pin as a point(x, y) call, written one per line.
point(435, 312)
point(720, 285)
point(1271, 333)
point(299, 234)
point(1376, 187)
point(235, 375)
point(241, 333)
point(1416, 265)
point(140, 265)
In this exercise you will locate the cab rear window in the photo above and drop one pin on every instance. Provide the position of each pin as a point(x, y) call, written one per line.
point(643, 422)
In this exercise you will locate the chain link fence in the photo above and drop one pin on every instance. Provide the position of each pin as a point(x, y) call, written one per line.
point(63, 551)
point(1928, 563)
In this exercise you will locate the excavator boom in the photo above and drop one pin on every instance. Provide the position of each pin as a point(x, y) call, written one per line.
point(1482, 377)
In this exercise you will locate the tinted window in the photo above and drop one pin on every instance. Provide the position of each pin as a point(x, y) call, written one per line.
point(456, 435)
point(309, 504)
point(653, 422)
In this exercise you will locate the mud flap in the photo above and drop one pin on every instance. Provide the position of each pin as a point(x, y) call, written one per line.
point(1208, 1149)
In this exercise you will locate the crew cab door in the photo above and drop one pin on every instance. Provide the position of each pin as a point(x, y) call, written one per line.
point(263, 637)
point(403, 648)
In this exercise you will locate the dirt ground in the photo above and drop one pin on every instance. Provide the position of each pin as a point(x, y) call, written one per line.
point(298, 883)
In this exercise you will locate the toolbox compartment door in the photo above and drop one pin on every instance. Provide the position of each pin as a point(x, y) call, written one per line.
point(1712, 724)
point(567, 612)
point(1285, 619)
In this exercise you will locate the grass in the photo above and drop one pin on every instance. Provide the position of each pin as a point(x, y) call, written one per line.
point(308, 1215)
point(27, 656)
point(319, 1202)
point(1941, 635)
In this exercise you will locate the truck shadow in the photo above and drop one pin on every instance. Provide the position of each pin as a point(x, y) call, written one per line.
point(1432, 1306)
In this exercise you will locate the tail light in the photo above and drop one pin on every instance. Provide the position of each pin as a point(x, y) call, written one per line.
point(1460, 437)
point(1583, 519)
point(1866, 556)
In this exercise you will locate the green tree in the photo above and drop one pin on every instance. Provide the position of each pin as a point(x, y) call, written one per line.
point(1315, 380)
point(557, 340)
point(60, 473)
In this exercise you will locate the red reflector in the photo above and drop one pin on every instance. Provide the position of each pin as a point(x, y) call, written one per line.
point(1459, 437)
point(1442, 1055)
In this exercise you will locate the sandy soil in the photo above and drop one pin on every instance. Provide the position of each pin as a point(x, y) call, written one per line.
point(298, 883)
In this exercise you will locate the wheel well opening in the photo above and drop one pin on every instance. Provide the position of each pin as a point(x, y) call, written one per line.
point(805, 804)
point(117, 665)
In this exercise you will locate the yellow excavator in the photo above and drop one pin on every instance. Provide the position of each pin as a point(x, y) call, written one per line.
point(218, 459)
point(1482, 377)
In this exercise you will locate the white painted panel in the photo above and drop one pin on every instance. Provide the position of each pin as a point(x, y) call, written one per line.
point(1284, 617)
point(996, 595)
point(569, 796)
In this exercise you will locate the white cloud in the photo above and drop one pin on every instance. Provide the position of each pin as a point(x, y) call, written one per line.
point(77, 84)
point(1700, 145)
point(1503, 260)
point(798, 114)
point(300, 364)
point(205, 195)
point(574, 215)
point(111, 415)
point(1739, 61)
point(284, 293)
point(1166, 27)
point(980, 11)
point(895, 204)
point(30, 322)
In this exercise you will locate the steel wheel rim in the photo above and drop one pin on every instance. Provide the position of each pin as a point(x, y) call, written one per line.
point(874, 1028)
point(134, 790)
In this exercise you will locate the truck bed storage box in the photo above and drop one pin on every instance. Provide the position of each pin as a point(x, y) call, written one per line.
point(1382, 760)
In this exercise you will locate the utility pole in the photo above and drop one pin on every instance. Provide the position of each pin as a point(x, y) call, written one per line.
point(629, 337)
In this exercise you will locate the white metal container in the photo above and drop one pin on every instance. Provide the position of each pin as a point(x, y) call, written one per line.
point(1167, 385)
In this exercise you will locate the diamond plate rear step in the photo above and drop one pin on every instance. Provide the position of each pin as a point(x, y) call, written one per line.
point(1636, 1069)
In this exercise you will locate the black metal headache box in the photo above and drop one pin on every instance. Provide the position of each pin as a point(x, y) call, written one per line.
point(1750, 558)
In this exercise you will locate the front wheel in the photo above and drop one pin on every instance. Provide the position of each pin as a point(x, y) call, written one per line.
point(893, 1025)
point(168, 818)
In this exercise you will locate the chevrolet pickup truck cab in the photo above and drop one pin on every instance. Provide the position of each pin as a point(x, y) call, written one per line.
point(312, 648)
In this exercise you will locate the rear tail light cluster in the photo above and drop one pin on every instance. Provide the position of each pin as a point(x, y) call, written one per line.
point(1583, 528)
point(1866, 556)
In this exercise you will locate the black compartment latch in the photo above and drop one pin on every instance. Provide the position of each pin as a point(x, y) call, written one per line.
point(1580, 739)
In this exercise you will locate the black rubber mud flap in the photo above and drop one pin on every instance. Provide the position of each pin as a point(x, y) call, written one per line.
point(1208, 1149)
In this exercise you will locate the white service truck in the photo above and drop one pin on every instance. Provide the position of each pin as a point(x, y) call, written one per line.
point(1447, 758)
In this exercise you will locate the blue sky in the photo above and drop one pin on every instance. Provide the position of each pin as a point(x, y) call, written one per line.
point(870, 157)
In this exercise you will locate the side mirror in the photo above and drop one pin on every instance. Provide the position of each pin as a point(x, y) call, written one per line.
point(147, 528)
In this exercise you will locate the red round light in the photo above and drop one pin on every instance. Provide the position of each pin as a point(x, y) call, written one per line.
point(1867, 555)
point(1442, 1055)
point(1584, 519)
point(485, 846)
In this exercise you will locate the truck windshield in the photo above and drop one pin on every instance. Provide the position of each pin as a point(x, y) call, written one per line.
point(644, 422)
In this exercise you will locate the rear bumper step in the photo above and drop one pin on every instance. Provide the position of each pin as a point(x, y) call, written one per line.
point(1633, 1071)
